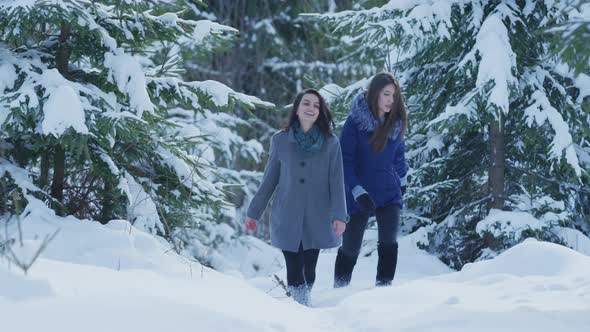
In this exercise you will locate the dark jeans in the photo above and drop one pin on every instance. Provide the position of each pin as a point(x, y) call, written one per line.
point(387, 226)
point(301, 266)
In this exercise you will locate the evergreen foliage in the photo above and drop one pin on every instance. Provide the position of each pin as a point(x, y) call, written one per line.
point(495, 122)
point(86, 93)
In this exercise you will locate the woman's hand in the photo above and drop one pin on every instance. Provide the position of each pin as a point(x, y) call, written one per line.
point(339, 227)
point(366, 203)
point(250, 224)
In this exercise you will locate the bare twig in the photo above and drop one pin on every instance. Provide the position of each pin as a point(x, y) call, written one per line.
point(25, 266)
point(280, 282)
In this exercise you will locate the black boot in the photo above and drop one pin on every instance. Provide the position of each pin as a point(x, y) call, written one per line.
point(300, 294)
point(386, 264)
point(343, 269)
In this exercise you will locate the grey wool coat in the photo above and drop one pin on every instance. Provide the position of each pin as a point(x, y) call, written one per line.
point(308, 192)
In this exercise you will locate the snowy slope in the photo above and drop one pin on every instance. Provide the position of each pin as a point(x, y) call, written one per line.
point(119, 278)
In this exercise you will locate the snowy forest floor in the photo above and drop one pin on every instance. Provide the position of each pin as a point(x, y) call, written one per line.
point(118, 278)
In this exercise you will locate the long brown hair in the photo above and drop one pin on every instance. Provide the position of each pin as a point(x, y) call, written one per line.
point(324, 121)
point(398, 109)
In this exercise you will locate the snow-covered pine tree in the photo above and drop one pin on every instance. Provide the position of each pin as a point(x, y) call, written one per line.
point(219, 138)
point(276, 48)
point(495, 124)
point(85, 98)
point(570, 36)
point(222, 144)
point(271, 34)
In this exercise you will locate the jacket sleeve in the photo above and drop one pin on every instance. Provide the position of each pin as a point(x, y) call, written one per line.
point(348, 143)
point(337, 194)
point(268, 184)
point(399, 162)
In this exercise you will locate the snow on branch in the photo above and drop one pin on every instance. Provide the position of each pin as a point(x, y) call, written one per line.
point(142, 210)
point(190, 171)
point(204, 29)
point(540, 111)
point(221, 94)
point(582, 82)
point(22, 178)
point(64, 102)
point(416, 19)
point(509, 223)
point(63, 110)
point(497, 61)
point(127, 74)
point(465, 107)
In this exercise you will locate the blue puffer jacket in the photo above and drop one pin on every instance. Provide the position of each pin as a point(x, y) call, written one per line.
point(379, 173)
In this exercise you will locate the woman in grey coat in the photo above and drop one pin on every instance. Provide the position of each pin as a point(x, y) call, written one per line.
point(305, 173)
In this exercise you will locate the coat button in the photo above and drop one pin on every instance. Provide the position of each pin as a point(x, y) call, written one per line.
point(301, 180)
point(302, 163)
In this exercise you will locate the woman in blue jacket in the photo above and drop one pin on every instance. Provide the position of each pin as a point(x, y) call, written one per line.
point(373, 154)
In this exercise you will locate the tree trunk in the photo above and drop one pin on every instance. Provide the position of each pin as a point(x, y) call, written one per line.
point(62, 55)
point(59, 163)
point(496, 166)
point(59, 159)
point(45, 164)
point(107, 201)
point(3, 198)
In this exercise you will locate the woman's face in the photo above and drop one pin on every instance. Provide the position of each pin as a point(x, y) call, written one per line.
point(309, 108)
point(385, 101)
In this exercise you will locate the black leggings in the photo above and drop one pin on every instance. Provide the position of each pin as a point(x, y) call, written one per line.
point(301, 266)
point(387, 225)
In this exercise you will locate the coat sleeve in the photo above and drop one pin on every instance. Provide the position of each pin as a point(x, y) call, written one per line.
point(399, 162)
point(337, 194)
point(268, 184)
point(348, 143)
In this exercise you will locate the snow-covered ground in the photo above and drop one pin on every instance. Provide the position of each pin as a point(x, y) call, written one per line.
point(119, 278)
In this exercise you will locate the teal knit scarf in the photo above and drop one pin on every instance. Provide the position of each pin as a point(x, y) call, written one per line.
point(309, 142)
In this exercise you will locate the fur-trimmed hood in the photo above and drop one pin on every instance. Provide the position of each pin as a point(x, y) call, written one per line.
point(365, 120)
